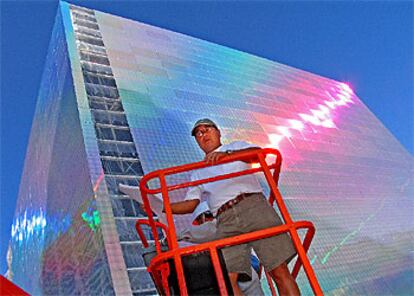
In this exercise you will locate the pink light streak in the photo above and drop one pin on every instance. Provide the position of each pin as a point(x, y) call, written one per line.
point(296, 124)
point(98, 181)
point(321, 117)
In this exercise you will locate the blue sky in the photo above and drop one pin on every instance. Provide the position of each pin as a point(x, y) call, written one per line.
point(368, 44)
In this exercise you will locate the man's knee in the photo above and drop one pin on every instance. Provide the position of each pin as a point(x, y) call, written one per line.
point(281, 273)
point(233, 276)
point(234, 284)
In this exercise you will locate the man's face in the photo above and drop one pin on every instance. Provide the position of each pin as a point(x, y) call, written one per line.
point(207, 137)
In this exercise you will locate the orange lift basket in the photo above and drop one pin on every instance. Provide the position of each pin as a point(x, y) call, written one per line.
point(159, 268)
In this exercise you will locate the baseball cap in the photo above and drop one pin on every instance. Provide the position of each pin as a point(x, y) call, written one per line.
point(204, 121)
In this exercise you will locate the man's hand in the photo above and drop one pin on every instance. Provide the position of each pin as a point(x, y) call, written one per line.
point(214, 157)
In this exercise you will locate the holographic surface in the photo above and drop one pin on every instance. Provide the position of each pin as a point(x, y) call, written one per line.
point(54, 251)
point(342, 169)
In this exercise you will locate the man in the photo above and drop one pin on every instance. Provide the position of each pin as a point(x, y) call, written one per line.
point(203, 229)
point(240, 207)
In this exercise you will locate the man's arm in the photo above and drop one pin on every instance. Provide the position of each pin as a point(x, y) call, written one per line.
point(184, 207)
point(214, 157)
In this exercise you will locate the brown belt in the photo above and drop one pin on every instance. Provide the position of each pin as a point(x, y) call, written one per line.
point(231, 203)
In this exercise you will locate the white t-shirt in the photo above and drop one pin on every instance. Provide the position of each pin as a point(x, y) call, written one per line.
point(219, 192)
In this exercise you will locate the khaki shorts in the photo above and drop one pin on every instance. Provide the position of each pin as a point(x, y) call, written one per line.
point(253, 213)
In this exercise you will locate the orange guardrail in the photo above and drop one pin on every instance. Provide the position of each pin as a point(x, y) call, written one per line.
point(141, 232)
point(159, 267)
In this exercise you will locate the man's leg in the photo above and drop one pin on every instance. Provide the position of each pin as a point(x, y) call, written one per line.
point(252, 287)
point(286, 284)
point(237, 257)
point(234, 284)
point(272, 250)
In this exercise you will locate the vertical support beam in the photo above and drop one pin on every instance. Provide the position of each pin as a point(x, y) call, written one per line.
point(219, 271)
point(180, 275)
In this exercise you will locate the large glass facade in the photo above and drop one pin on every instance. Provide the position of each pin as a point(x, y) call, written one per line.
point(57, 243)
point(128, 93)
